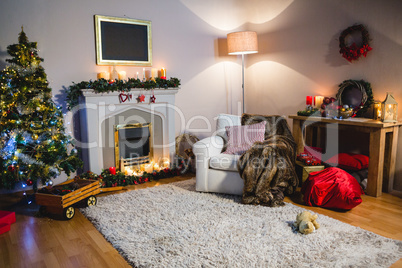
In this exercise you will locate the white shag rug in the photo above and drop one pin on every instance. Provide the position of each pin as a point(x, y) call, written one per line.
point(174, 226)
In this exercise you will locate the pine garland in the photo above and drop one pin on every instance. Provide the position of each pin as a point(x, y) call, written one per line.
point(120, 179)
point(102, 85)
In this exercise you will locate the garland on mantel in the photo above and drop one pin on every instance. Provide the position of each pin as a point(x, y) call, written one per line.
point(102, 86)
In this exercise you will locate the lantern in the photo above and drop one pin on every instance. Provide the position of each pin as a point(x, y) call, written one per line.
point(389, 109)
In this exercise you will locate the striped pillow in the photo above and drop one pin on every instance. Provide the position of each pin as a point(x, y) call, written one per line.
point(241, 138)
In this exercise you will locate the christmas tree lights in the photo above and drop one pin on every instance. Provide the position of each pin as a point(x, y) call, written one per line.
point(33, 143)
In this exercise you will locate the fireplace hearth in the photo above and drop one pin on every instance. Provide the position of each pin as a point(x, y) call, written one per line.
point(133, 145)
point(101, 112)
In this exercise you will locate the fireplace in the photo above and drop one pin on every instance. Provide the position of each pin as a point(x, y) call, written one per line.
point(133, 145)
point(101, 113)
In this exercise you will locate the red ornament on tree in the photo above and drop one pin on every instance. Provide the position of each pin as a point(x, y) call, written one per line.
point(29, 182)
point(11, 168)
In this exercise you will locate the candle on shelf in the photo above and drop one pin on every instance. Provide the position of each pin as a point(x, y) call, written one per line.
point(309, 100)
point(143, 74)
point(122, 75)
point(318, 100)
point(377, 110)
point(163, 73)
point(153, 74)
point(104, 75)
point(137, 75)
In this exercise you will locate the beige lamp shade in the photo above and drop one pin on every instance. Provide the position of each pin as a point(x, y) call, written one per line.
point(242, 43)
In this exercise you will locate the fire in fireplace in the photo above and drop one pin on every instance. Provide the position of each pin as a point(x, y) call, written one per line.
point(133, 145)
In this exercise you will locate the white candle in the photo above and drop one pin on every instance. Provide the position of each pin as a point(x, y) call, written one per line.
point(122, 75)
point(153, 73)
point(137, 75)
point(143, 74)
point(104, 75)
point(318, 100)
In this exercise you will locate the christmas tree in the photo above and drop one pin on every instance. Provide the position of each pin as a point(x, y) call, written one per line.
point(33, 143)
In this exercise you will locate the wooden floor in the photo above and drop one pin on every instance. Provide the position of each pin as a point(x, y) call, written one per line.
point(48, 242)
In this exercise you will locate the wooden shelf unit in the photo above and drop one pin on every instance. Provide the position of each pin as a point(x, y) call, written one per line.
point(382, 147)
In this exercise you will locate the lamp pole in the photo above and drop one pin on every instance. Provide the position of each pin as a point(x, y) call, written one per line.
point(242, 43)
point(242, 79)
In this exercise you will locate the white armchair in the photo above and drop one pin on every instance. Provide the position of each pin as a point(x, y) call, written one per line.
point(217, 172)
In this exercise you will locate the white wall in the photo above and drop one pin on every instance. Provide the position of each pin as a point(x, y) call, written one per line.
point(299, 56)
point(298, 49)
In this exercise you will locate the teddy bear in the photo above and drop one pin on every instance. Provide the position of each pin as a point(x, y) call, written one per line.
point(306, 222)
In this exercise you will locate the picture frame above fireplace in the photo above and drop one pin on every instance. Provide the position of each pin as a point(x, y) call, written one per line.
point(123, 41)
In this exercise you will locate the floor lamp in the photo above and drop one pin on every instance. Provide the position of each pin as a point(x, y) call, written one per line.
point(241, 43)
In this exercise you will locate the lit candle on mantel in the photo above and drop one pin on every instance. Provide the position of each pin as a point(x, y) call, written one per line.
point(104, 75)
point(137, 75)
point(153, 74)
point(143, 74)
point(163, 73)
point(122, 75)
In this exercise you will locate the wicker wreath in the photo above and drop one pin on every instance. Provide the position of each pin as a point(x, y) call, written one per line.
point(353, 52)
point(367, 94)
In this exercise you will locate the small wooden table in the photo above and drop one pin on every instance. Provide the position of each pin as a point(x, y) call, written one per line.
point(382, 147)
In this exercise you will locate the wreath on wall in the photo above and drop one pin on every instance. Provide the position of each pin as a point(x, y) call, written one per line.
point(354, 52)
point(366, 98)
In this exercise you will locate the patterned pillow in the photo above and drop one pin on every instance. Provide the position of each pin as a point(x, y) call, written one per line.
point(241, 138)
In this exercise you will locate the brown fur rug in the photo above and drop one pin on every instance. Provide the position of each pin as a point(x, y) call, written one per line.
point(268, 167)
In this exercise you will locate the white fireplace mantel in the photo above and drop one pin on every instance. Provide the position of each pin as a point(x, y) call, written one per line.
point(95, 108)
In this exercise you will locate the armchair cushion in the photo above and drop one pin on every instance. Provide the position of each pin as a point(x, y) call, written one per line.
point(241, 138)
point(226, 162)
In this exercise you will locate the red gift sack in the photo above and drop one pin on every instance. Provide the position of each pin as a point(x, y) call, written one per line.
point(332, 188)
point(349, 161)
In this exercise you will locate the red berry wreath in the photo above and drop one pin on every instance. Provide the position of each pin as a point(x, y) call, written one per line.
point(353, 52)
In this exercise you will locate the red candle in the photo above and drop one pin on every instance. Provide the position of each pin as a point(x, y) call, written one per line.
point(309, 100)
point(112, 170)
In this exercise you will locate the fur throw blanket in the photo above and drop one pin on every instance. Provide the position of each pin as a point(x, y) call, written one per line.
point(268, 167)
